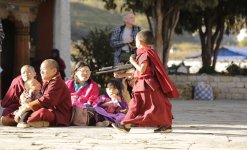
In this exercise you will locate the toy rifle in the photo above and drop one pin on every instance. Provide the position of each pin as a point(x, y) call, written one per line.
point(117, 68)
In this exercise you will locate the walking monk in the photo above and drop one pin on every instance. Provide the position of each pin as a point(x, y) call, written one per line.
point(149, 105)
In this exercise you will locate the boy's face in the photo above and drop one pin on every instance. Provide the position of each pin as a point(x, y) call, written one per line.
point(35, 86)
point(27, 73)
point(138, 43)
point(111, 90)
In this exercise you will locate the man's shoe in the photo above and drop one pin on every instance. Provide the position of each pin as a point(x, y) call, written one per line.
point(120, 128)
point(7, 121)
point(163, 129)
point(23, 125)
point(103, 124)
point(39, 124)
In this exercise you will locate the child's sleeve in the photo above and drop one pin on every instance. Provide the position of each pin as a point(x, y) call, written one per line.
point(142, 58)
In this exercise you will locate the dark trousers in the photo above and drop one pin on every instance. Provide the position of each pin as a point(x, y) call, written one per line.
point(25, 116)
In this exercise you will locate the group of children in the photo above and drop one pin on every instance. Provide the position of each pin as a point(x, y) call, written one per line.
point(149, 104)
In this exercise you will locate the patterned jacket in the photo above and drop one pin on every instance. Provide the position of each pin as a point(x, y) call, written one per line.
point(116, 40)
point(1, 35)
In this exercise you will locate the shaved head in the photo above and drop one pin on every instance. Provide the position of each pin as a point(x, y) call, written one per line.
point(27, 72)
point(27, 67)
point(51, 63)
point(48, 69)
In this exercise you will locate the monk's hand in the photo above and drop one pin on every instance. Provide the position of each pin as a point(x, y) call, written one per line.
point(132, 60)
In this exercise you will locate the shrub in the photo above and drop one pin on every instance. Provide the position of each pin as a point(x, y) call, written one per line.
point(207, 70)
point(95, 50)
point(234, 69)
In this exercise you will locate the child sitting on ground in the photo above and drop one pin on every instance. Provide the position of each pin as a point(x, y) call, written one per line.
point(127, 83)
point(32, 91)
point(110, 106)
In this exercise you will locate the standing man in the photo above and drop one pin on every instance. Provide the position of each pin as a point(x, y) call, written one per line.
point(54, 108)
point(123, 39)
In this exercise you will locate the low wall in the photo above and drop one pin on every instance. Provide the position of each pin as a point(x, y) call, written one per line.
point(224, 87)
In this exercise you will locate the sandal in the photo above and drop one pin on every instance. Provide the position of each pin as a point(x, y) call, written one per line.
point(163, 129)
point(120, 128)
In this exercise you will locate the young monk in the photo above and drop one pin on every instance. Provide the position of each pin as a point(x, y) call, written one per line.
point(10, 101)
point(149, 105)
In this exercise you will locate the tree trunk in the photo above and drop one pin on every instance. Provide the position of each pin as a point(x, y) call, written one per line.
point(218, 37)
point(203, 46)
point(149, 22)
point(159, 15)
point(170, 23)
point(206, 44)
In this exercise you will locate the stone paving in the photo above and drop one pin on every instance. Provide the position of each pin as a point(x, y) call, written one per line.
point(198, 125)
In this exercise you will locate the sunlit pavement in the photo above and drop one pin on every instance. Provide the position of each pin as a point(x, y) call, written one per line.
point(198, 125)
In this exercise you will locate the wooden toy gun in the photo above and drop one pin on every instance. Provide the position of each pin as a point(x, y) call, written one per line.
point(118, 68)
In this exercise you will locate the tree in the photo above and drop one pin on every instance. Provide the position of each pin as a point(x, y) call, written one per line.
point(212, 19)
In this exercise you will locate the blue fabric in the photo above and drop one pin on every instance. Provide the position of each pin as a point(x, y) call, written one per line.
point(203, 91)
point(78, 86)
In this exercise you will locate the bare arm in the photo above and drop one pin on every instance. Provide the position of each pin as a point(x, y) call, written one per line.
point(141, 68)
point(123, 75)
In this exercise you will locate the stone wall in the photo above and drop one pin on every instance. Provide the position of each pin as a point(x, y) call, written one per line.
point(224, 87)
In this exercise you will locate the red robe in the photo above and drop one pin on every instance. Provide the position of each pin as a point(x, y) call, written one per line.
point(10, 102)
point(56, 99)
point(150, 105)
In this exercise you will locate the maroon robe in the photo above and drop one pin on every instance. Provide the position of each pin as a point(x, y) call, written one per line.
point(167, 86)
point(54, 102)
point(10, 102)
point(149, 105)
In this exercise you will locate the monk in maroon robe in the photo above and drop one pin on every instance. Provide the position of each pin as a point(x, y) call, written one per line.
point(54, 108)
point(149, 105)
point(10, 101)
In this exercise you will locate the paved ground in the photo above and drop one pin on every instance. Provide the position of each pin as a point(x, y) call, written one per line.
point(198, 125)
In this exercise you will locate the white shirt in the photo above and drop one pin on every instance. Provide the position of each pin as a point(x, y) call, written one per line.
point(126, 36)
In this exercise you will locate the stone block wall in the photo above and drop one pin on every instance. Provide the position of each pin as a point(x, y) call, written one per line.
point(224, 87)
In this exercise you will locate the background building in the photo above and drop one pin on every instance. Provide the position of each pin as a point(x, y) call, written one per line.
point(32, 29)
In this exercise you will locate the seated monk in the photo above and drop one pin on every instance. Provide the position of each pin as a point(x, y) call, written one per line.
point(10, 101)
point(54, 107)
